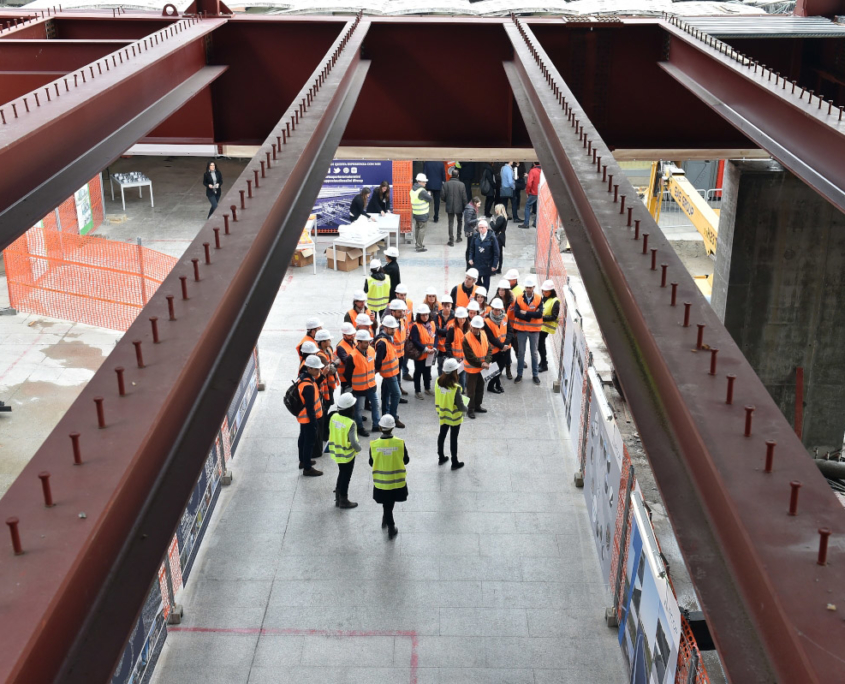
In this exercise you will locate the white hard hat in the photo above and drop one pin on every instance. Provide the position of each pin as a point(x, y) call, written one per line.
point(446, 299)
point(450, 365)
point(389, 322)
point(347, 329)
point(548, 285)
point(308, 348)
point(392, 252)
point(530, 281)
point(513, 274)
point(323, 335)
point(497, 304)
point(430, 291)
point(312, 323)
point(473, 306)
point(401, 289)
point(374, 264)
point(477, 322)
point(313, 362)
point(422, 178)
point(359, 296)
point(387, 422)
point(473, 273)
point(363, 336)
point(481, 290)
point(363, 319)
point(461, 312)
point(423, 309)
point(397, 305)
point(346, 401)
point(504, 284)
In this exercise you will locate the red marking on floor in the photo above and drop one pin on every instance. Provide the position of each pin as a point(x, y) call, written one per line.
point(285, 283)
point(263, 631)
point(446, 270)
point(24, 353)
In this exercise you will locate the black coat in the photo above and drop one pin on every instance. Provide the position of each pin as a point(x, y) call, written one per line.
point(391, 268)
point(484, 255)
point(206, 181)
point(490, 175)
point(499, 226)
point(376, 205)
point(356, 209)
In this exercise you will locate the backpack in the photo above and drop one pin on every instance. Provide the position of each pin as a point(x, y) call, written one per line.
point(485, 186)
point(411, 350)
point(292, 400)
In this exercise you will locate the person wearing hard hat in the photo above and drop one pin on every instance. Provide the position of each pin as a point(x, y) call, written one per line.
point(473, 309)
point(420, 204)
point(306, 348)
point(387, 366)
point(430, 300)
point(481, 298)
point(377, 287)
point(343, 445)
point(312, 325)
point(391, 269)
point(450, 410)
point(455, 341)
point(442, 320)
point(499, 335)
point(388, 457)
point(462, 294)
point(477, 355)
point(359, 306)
point(360, 374)
point(512, 276)
point(364, 322)
point(402, 296)
point(397, 310)
point(551, 316)
point(330, 364)
point(344, 348)
point(422, 338)
point(310, 415)
point(528, 320)
point(484, 253)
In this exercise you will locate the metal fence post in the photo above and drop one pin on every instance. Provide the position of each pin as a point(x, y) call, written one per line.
point(174, 616)
point(141, 271)
point(611, 615)
point(692, 672)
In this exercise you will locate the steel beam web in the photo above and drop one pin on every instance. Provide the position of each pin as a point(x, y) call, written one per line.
point(753, 565)
point(70, 600)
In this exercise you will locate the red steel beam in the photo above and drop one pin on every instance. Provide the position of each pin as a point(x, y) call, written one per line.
point(798, 128)
point(54, 55)
point(70, 600)
point(753, 564)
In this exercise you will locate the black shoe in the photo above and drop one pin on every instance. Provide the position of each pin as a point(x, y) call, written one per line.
point(364, 419)
point(543, 368)
point(460, 239)
point(407, 377)
point(436, 219)
point(403, 401)
point(509, 374)
point(422, 249)
point(518, 378)
point(471, 415)
point(383, 524)
point(536, 380)
point(457, 464)
point(451, 243)
point(442, 460)
point(479, 409)
point(344, 502)
point(399, 424)
point(392, 531)
point(310, 464)
point(363, 433)
point(519, 219)
point(312, 472)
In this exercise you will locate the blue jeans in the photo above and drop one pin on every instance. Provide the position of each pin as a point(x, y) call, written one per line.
point(530, 203)
point(525, 338)
point(390, 396)
point(372, 395)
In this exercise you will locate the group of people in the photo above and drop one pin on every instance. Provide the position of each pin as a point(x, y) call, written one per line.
point(467, 334)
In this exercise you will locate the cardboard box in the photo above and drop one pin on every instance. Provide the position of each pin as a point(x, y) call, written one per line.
point(302, 257)
point(348, 258)
point(372, 253)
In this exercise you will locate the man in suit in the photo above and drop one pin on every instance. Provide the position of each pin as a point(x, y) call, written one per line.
point(435, 171)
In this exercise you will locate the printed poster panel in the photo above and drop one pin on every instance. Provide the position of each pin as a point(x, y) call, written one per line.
point(344, 180)
point(574, 365)
point(84, 212)
point(650, 628)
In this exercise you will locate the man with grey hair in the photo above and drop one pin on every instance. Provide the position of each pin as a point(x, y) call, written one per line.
point(484, 253)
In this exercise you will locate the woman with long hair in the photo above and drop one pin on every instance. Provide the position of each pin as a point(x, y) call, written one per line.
point(213, 181)
point(359, 202)
point(450, 409)
point(499, 226)
point(503, 292)
point(380, 200)
point(422, 337)
point(455, 340)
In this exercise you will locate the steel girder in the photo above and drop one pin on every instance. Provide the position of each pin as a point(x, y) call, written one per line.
point(70, 600)
point(753, 564)
point(802, 131)
point(52, 128)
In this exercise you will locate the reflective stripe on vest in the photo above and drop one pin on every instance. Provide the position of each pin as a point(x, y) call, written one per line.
point(388, 463)
point(364, 375)
point(318, 402)
point(353, 314)
point(458, 344)
point(499, 330)
point(340, 446)
point(532, 325)
point(548, 305)
point(378, 293)
point(479, 346)
point(409, 314)
point(444, 402)
point(426, 333)
point(390, 363)
point(462, 298)
point(399, 338)
point(418, 206)
point(331, 380)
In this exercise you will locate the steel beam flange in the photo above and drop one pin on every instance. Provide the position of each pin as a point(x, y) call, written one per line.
point(755, 566)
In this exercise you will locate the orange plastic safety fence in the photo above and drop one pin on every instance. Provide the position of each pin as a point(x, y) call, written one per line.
point(689, 659)
point(401, 199)
point(548, 264)
point(622, 536)
point(82, 278)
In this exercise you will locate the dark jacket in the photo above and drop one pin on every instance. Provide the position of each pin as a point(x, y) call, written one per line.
point(470, 218)
point(490, 175)
point(308, 395)
point(484, 255)
point(356, 209)
point(499, 226)
point(455, 196)
point(206, 181)
point(391, 268)
point(467, 172)
point(435, 171)
point(376, 205)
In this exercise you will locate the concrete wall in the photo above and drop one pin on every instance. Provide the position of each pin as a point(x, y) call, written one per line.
point(780, 288)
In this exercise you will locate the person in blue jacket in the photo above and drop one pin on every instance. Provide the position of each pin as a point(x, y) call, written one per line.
point(435, 171)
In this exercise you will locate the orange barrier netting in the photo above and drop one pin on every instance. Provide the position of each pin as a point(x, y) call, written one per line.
point(690, 668)
point(401, 200)
point(548, 264)
point(82, 278)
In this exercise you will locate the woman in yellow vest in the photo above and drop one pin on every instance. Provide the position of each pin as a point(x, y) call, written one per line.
point(388, 457)
point(451, 406)
point(343, 445)
point(551, 316)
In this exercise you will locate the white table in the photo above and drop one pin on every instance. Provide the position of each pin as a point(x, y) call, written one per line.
point(131, 180)
point(358, 244)
point(389, 223)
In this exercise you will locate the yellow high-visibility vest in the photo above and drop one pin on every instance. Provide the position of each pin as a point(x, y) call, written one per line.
point(388, 463)
point(378, 293)
point(418, 206)
point(340, 446)
point(447, 408)
point(549, 326)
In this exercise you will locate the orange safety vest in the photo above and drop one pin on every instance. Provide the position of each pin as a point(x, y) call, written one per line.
point(458, 343)
point(318, 404)
point(461, 297)
point(534, 324)
point(441, 339)
point(485, 311)
point(426, 337)
point(399, 338)
point(305, 339)
point(364, 375)
point(479, 346)
point(331, 380)
point(353, 314)
point(348, 347)
point(500, 330)
point(390, 362)
point(409, 313)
